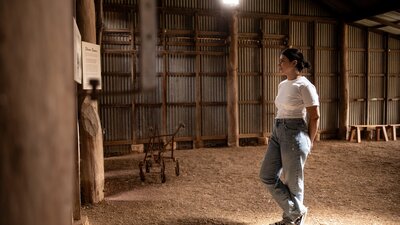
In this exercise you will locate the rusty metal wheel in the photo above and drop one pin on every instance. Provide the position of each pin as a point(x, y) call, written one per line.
point(162, 172)
point(141, 173)
point(177, 172)
point(147, 166)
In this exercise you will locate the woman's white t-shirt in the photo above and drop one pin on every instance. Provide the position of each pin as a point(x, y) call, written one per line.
point(294, 96)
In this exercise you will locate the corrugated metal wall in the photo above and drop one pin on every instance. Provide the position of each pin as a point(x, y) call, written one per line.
point(118, 63)
point(372, 71)
point(191, 67)
point(393, 101)
point(357, 75)
point(326, 76)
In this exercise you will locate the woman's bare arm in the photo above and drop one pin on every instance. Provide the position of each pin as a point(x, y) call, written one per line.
point(313, 121)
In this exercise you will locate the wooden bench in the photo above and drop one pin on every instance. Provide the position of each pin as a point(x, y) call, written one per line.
point(356, 129)
point(392, 128)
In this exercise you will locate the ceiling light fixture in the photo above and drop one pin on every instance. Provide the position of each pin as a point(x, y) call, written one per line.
point(232, 3)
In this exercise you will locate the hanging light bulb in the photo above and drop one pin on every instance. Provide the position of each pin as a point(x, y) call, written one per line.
point(231, 2)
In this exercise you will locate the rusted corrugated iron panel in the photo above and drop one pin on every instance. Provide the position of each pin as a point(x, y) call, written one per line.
point(357, 64)
point(377, 86)
point(192, 4)
point(326, 62)
point(121, 2)
point(274, 26)
point(180, 3)
point(262, 6)
point(394, 81)
point(357, 87)
point(356, 38)
point(116, 123)
point(306, 8)
point(357, 75)
point(181, 89)
point(326, 76)
point(177, 114)
point(394, 59)
point(301, 32)
point(249, 60)
point(393, 115)
point(179, 21)
point(357, 113)
point(209, 4)
point(250, 90)
point(376, 41)
point(147, 117)
point(250, 119)
point(328, 121)
point(214, 122)
point(393, 86)
point(328, 88)
point(272, 79)
point(209, 23)
point(213, 89)
point(377, 62)
point(376, 112)
point(326, 35)
point(181, 63)
point(249, 25)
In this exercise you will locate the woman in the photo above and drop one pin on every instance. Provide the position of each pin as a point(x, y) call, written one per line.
point(294, 131)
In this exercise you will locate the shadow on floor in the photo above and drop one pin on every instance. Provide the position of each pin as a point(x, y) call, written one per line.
point(200, 221)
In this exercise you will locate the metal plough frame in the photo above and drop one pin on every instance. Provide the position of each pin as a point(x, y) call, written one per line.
point(158, 144)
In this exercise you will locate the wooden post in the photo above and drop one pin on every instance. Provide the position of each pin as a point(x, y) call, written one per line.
point(344, 82)
point(367, 78)
point(198, 141)
point(76, 211)
point(37, 112)
point(232, 84)
point(386, 93)
point(264, 83)
point(92, 161)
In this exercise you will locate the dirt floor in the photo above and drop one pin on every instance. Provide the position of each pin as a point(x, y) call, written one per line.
point(346, 183)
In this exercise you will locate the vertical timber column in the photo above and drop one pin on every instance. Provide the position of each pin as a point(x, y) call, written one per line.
point(232, 84)
point(92, 161)
point(344, 82)
point(198, 142)
point(37, 112)
point(367, 77)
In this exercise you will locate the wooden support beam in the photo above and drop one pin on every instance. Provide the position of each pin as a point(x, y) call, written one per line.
point(198, 142)
point(367, 77)
point(133, 80)
point(91, 136)
point(37, 113)
point(264, 104)
point(344, 82)
point(232, 84)
point(384, 22)
point(164, 86)
point(386, 71)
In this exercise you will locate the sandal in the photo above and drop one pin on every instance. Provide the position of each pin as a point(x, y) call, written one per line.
point(301, 220)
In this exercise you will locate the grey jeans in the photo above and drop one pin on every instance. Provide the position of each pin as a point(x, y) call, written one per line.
point(287, 153)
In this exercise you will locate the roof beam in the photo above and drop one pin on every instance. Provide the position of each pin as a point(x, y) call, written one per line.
point(383, 25)
point(384, 22)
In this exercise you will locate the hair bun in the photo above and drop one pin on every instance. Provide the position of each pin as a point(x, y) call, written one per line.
point(307, 65)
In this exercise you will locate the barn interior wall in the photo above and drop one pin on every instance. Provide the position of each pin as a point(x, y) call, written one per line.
point(192, 68)
point(374, 76)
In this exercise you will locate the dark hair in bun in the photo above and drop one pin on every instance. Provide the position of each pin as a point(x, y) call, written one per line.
point(295, 54)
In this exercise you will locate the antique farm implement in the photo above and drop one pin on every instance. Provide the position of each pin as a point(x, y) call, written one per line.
point(155, 153)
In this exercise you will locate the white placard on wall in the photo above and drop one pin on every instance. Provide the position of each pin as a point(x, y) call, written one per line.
point(77, 54)
point(91, 64)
